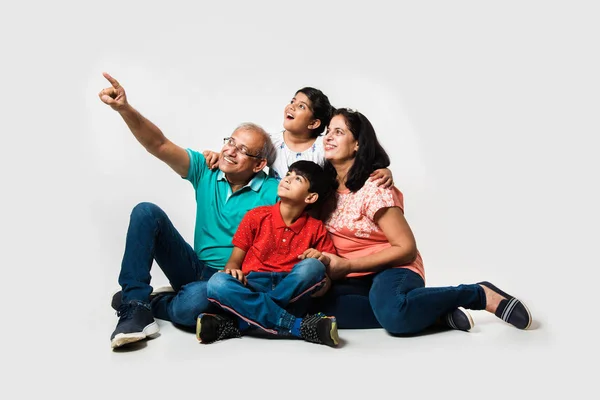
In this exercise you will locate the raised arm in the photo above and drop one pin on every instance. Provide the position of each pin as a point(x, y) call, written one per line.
point(145, 131)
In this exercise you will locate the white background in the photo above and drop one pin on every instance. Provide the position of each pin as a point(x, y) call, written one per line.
point(489, 111)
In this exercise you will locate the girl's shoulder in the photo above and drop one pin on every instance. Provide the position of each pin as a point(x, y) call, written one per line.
point(277, 138)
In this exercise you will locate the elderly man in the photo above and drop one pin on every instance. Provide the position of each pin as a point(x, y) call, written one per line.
point(222, 198)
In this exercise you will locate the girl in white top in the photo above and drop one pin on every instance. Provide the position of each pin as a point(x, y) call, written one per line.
point(305, 118)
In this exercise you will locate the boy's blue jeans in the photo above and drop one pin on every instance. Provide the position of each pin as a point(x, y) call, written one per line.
point(152, 237)
point(269, 300)
point(395, 299)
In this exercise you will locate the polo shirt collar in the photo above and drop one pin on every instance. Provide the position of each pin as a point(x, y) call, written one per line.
point(278, 223)
point(255, 183)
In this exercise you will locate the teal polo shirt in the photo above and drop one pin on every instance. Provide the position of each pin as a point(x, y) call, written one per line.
point(219, 211)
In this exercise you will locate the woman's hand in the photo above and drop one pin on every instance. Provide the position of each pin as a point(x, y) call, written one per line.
point(338, 267)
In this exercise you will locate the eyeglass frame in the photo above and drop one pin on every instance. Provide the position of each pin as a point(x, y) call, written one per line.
point(227, 141)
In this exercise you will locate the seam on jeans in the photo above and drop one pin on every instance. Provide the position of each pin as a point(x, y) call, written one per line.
point(251, 322)
point(308, 290)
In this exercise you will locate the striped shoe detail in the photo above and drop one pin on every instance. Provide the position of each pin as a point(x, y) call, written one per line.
point(511, 310)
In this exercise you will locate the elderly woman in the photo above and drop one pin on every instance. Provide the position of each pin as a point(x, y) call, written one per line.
point(376, 250)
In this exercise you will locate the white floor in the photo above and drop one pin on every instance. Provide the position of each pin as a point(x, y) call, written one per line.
point(368, 364)
point(494, 359)
point(67, 353)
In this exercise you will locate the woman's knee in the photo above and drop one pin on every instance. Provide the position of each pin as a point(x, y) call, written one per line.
point(391, 312)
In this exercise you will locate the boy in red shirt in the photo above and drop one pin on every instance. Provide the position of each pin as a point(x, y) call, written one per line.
point(276, 262)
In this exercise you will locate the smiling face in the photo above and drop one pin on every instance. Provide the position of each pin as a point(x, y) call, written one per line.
point(232, 161)
point(295, 188)
point(298, 115)
point(339, 142)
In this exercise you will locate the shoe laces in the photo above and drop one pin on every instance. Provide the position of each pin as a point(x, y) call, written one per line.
point(125, 310)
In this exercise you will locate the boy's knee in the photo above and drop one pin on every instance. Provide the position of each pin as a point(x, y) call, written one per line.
point(188, 303)
point(310, 268)
point(218, 284)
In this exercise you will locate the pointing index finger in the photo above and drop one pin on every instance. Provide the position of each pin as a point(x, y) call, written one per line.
point(112, 80)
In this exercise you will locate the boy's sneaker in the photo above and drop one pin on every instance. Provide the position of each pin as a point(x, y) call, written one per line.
point(135, 323)
point(213, 327)
point(319, 328)
point(459, 319)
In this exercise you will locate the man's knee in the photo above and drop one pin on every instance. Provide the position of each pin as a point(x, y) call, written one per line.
point(146, 210)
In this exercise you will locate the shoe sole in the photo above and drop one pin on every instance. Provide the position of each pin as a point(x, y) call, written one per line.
point(333, 332)
point(508, 297)
point(452, 322)
point(199, 326)
point(122, 339)
point(471, 322)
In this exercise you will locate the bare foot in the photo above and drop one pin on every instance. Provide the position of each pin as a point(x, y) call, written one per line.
point(492, 299)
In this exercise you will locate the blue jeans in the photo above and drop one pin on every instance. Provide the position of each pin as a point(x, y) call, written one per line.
point(399, 300)
point(265, 300)
point(348, 301)
point(151, 236)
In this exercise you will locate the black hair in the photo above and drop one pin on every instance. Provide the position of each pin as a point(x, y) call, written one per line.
point(319, 182)
point(320, 106)
point(370, 155)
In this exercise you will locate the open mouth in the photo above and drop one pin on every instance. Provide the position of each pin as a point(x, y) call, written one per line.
point(289, 116)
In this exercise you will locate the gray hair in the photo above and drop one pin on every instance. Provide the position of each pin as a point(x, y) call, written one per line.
point(268, 151)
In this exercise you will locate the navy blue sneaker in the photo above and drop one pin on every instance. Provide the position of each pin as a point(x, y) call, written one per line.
point(213, 327)
point(135, 323)
point(459, 319)
point(319, 328)
point(117, 298)
point(511, 309)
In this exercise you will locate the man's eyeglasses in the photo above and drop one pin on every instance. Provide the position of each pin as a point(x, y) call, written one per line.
point(243, 150)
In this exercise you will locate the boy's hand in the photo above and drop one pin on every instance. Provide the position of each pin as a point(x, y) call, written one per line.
point(324, 289)
point(314, 253)
point(338, 267)
point(212, 159)
point(384, 176)
point(236, 273)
